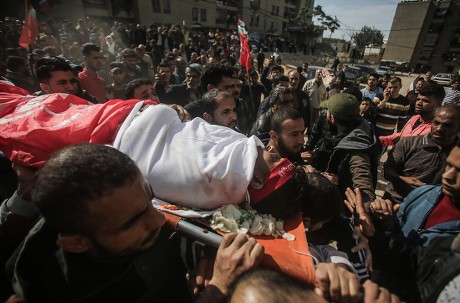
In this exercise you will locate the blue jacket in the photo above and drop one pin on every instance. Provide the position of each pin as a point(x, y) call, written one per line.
point(414, 212)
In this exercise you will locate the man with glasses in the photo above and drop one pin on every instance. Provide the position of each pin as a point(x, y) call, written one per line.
point(57, 76)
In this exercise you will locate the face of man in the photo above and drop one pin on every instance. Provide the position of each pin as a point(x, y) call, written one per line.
point(456, 85)
point(225, 114)
point(286, 101)
point(372, 83)
point(60, 82)
point(146, 92)
point(318, 76)
point(274, 73)
point(131, 224)
point(290, 139)
point(304, 67)
point(236, 88)
point(394, 88)
point(364, 106)
point(451, 176)
point(165, 73)
point(428, 76)
point(172, 65)
point(419, 85)
point(425, 105)
point(94, 60)
point(130, 63)
point(118, 76)
point(294, 79)
point(226, 84)
point(445, 127)
point(193, 80)
point(254, 79)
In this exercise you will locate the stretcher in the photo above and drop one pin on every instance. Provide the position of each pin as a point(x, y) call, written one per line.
point(290, 257)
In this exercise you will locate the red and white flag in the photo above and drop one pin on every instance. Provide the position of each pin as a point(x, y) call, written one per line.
point(29, 32)
point(245, 53)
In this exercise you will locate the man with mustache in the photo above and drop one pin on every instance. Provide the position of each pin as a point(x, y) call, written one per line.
point(420, 160)
point(100, 239)
point(219, 108)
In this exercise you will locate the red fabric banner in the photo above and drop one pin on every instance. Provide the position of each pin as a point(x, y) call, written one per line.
point(29, 32)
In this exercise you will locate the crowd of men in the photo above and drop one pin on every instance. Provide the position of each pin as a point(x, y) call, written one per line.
point(77, 223)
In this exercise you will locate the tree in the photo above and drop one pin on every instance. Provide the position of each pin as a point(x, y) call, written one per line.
point(304, 20)
point(367, 36)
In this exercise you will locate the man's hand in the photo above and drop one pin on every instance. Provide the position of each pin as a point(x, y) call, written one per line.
point(354, 203)
point(26, 179)
point(183, 114)
point(383, 209)
point(363, 244)
point(327, 76)
point(237, 253)
point(413, 182)
point(306, 156)
point(375, 294)
point(337, 283)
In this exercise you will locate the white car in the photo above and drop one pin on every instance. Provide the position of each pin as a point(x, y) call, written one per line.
point(382, 70)
point(443, 79)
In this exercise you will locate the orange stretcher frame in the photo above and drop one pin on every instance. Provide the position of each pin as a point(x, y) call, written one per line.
point(290, 257)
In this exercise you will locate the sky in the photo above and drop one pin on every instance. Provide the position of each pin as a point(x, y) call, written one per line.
point(354, 14)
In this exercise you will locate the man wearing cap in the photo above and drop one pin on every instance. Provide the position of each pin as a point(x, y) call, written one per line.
point(116, 90)
point(187, 92)
point(349, 147)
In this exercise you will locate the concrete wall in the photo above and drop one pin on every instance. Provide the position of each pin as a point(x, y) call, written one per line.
point(405, 30)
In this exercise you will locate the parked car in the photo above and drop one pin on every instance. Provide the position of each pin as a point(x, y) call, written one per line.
point(353, 76)
point(365, 72)
point(443, 79)
point(311, 70)
point(382, 70)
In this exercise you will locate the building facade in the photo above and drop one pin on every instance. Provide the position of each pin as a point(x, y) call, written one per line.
point(427, 35)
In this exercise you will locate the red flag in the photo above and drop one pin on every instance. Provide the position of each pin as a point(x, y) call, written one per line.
point(45, 7)
point(29, 32)
point(245, 53)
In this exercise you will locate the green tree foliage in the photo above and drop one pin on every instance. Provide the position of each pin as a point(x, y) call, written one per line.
point(304, 20)
point(367, 36)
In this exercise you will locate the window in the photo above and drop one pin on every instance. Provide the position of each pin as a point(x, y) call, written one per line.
point(167, 6)
point(203, 15)
point(195, 14)
point(273, 9)
point(156, 6)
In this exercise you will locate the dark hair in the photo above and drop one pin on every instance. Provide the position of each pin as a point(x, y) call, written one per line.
point(355, 91)
point(395, 79)
point(76, 176)
point(87, 48)
point(276, 92)
point(46, 65)
point(14, 63)
point(321, 198)
point(276, 67)
point(213, 74)
point(132, 85)
point(253, 72)
point(375, 75)
point(433, 90)
point(366, 99)
point(274, 286)
point(282, 115)
point(285, 201)
point(209, 100)
point(163, 63)
point(128, 53)
point(279, 79)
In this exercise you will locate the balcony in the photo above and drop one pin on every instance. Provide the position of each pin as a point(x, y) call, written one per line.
point(231, 5)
